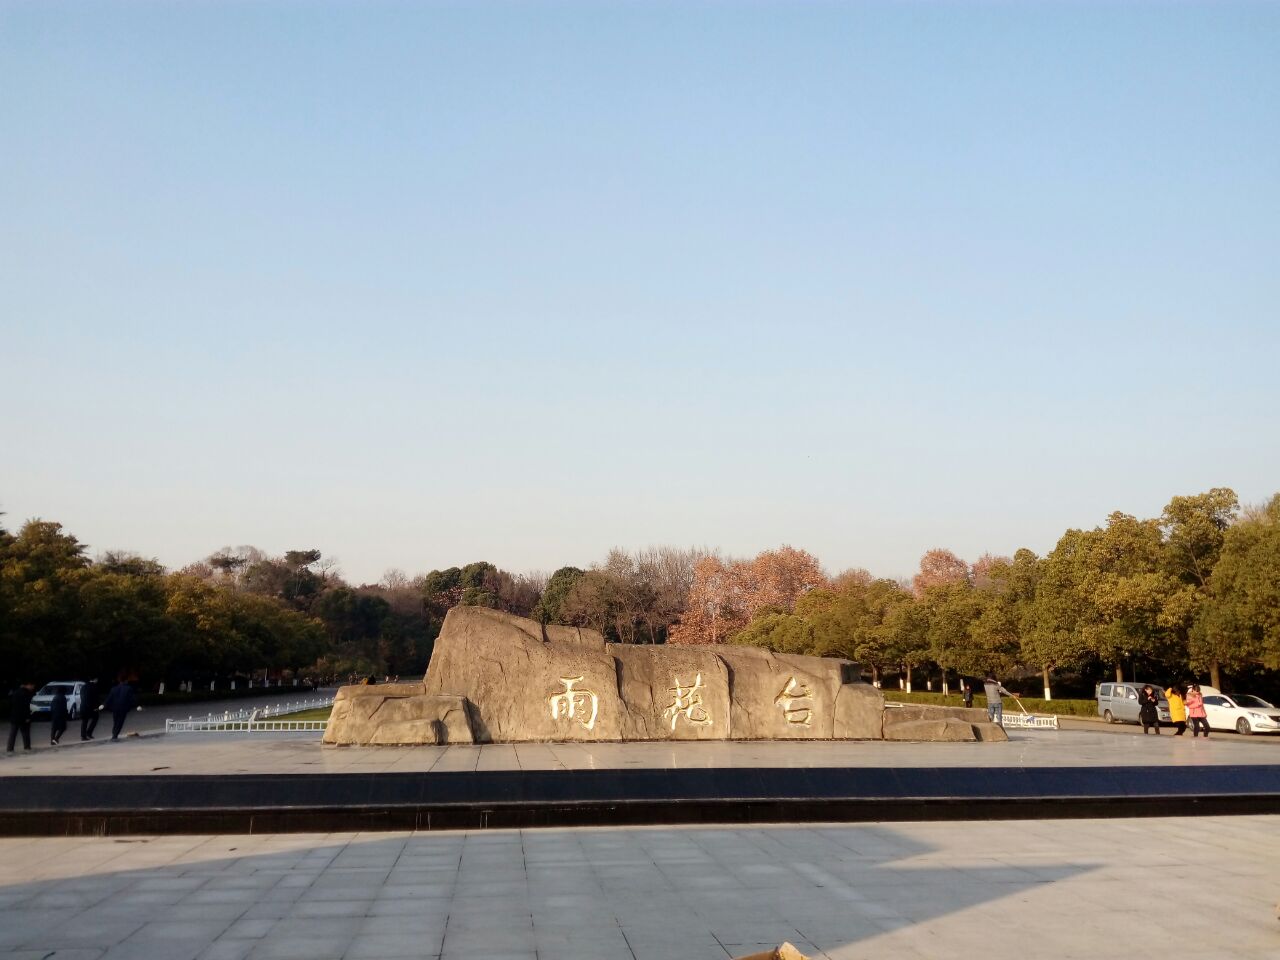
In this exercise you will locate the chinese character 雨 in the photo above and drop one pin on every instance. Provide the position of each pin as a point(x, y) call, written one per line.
point(789, 700)
point(686, 701)
point(580, 705)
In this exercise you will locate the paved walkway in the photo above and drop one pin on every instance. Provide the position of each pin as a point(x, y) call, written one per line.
point(303, 753)
point(1054, 890)
point(151, 719)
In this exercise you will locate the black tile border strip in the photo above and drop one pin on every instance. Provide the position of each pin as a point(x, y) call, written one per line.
point(115, 806)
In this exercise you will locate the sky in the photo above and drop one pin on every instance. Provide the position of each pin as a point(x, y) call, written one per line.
point(418, 284)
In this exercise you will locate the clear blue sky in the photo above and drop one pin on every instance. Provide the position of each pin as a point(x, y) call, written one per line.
point(419, 284)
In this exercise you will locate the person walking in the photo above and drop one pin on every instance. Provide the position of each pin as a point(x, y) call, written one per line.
point(994, 691)
point(968, 693)
point(1177, 709)
point(20, 715)
point(120, 701)
point(89, 707)
point(1149, 710)
point(1195, 710)
point(57, 715)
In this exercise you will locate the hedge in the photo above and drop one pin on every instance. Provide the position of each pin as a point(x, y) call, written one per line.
point(1063, 708)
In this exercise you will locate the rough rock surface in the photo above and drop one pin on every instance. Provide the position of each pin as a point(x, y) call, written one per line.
point(777, 696)
point(498, 678)
point(522, 688)
point(907, 722)
point(582, 688)
point(925, 711)
point(859, 712)
point(397, 713)
point(948, 729)
point(990, 732)
point(672, 693)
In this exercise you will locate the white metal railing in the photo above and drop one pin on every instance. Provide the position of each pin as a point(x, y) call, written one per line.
point(1023, 720)
point(279, 710)
point(1030, 721)
point(255, 720)
point(250, 725)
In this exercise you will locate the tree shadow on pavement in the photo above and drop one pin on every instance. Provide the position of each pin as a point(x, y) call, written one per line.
point(569, 894)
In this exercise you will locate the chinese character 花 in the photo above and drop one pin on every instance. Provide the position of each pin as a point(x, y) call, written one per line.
point(686, 701)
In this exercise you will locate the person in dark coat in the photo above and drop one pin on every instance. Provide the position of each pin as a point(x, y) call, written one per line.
point(1149, 710)
point(88, 709)
point(20, 715)
point(120, 701)
point(57, 715)
point(968, 693)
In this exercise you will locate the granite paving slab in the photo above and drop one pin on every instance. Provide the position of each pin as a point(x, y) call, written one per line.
point(1056, 889)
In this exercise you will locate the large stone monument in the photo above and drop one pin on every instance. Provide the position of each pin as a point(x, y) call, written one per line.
point(499, 678)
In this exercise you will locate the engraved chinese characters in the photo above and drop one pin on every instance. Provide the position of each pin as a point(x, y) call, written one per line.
point(796, 701)
point(686, 702)
point(672, 693)
point(524, 682)
point(575, 704)
point(498, 678)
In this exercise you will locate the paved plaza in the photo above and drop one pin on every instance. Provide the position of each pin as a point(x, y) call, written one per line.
point(1047, 889)
point(1042, 888)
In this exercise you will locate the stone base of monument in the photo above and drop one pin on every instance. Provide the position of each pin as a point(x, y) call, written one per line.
point(925, 723)
point(498, 678)
point(397, 713)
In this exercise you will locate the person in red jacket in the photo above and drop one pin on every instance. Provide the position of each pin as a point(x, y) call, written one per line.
point(1195, 711)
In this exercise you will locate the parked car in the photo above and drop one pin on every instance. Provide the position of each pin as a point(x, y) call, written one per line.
point(1118, 702)
point(43, 699)
point(1241, 713)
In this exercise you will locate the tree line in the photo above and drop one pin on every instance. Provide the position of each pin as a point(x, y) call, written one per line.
point(1195, 589)
point(236, 614)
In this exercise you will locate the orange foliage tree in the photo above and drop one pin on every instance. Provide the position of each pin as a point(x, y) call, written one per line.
point(980, 575)
point(939, 567)
point(725, 596)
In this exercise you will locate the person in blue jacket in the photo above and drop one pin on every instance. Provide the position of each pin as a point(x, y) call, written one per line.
point(20, 715)
point(119, 703)
point(57, 716)
point(89, 709)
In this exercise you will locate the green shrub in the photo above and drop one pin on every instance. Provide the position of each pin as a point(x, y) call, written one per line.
point(321, 713)
point(1062, 708)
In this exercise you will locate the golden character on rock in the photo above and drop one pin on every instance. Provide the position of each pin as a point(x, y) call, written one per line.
point(574, 704)
point(686, 701)
point(791, 700)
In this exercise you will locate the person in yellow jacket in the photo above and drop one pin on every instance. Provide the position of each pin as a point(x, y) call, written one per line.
point(1177, 709)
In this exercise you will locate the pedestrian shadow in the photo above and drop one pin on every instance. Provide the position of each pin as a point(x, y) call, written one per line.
point(574, 894)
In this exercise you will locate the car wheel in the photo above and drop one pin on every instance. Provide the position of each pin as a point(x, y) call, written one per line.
point(1243, 728)
point(1106, 715)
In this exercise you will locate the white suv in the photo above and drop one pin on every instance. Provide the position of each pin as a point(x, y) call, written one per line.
point(41, 702)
